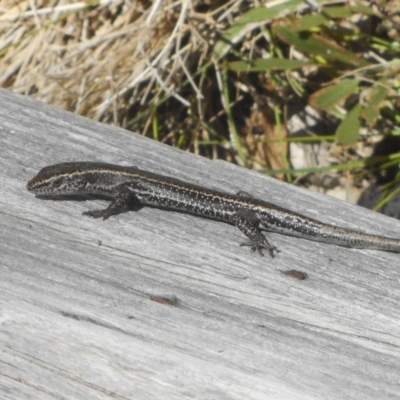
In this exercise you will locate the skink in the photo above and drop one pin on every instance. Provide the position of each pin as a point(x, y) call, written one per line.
point(128, 188)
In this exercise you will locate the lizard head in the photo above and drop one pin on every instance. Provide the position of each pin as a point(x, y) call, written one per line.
point(59, 179)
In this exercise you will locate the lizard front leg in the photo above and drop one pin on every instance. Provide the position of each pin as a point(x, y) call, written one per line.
point(125, 200)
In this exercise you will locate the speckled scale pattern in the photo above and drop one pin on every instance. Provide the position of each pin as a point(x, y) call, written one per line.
point(127, 186)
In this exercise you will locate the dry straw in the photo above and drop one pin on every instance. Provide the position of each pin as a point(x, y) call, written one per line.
point(100, 58)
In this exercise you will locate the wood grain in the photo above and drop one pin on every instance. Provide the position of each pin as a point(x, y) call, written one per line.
point(80, 309)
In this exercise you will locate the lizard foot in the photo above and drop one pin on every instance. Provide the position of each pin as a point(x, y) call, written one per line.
point(256, 246)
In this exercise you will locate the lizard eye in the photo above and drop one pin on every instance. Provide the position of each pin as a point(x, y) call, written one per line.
point(58, 182)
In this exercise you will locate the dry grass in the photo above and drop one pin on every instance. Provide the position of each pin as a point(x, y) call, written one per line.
point(113, 60)
point(93, 57)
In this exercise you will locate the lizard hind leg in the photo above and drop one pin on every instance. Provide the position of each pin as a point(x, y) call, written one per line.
point(247, 222)
point(244, 194)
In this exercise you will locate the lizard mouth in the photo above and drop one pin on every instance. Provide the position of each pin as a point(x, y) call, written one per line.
point(71, 197)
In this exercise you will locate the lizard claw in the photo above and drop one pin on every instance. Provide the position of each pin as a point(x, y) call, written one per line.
point(260, 246)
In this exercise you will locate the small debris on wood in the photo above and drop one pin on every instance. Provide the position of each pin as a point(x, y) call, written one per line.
point(170, 300)
point(299, 275)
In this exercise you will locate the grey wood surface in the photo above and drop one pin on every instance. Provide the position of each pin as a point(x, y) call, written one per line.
point(78, 316)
